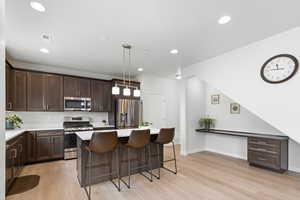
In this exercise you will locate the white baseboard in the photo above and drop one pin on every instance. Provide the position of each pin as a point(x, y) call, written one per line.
point(195, 150)
point(226, 154)
point(294, 169)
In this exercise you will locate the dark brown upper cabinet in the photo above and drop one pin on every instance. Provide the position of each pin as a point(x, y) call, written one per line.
point(77, 87)
point(54, 92)
point(101, 96)
point(19, 90)
point(9, 87)
point(44, 92)
point(36, 93)
point(84, 87)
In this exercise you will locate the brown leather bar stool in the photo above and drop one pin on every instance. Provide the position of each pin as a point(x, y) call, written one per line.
point(139, 140)
point(165, 136)
point(100, 143)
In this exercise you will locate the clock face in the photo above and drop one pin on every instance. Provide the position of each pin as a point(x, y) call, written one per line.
point(279, 68)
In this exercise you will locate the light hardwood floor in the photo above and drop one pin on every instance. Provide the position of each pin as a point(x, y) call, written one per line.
point(204, 176)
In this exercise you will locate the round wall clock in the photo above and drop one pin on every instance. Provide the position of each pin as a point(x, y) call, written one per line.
point(279, 68)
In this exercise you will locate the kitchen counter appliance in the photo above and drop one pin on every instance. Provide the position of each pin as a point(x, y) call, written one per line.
point(77, 104)
point(127, 113)
point(72, 125)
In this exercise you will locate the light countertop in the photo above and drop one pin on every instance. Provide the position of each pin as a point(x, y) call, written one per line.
point(10, 134)
point(87, 135)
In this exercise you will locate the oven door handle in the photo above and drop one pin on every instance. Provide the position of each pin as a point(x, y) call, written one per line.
point(68, 133)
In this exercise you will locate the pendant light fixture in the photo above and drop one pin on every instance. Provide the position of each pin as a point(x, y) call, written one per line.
point(127, 85)
point(126, 90)
point(115, 90)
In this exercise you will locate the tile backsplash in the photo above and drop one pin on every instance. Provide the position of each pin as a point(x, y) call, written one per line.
point(55, 119)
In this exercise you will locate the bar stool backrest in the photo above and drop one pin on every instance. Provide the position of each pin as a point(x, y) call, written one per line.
point(139, 138)
point(102, 142)
point(165, 136)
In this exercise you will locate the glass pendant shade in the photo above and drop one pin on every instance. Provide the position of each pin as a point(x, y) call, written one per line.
point(136, 93)
point(126, 92)
point(115, 90)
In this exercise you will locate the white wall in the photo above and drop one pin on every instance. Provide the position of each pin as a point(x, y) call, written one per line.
point(2, 103)
point(198, 102)
point(195, 108)
point(34, 120)
point(245, 121)
point(160, 102)
point(237, 74)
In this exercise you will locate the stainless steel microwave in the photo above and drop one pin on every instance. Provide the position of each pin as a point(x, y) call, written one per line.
point(77, 104)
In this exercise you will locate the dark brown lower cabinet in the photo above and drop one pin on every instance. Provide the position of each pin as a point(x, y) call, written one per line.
point(31, 147)
point(15, 158)
point(49, 145)
point(43, 148)
point(269, 153)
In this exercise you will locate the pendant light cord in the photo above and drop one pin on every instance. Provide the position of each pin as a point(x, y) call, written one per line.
point(124, 66)
point(129, 63)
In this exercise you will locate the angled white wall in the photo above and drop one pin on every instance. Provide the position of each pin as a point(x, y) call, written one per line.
point(237, 74)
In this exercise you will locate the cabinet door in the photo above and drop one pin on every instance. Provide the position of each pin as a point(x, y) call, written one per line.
point(8, 87)
point(101, 96)
point(43, 148)
point(9, 175)
point(97, 92)
point(58, 146)
point(31, 147)
point(107, 97)
point(54, 92)
point(70, 87)
point(84, 87)
point(19, 84)
point(35, 91)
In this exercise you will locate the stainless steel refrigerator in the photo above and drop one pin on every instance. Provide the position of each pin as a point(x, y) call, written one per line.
point(128, 113)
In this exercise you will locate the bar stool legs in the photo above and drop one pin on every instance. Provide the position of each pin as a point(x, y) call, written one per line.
point(164, 161)
point(148, 164)
point(118, 186)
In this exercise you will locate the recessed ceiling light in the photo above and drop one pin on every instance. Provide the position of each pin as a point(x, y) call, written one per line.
point(178, 76)
point(140, 69)
point(174, 51)
point(37, 6)
point(224, 20)
point(44, 50)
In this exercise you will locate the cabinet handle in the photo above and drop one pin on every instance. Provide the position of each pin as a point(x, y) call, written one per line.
point(14, 153)
point(10, 106)
point(47, 107)
point(262, 159)
point(20, 147)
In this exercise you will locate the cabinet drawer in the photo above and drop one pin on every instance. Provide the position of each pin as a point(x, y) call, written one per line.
point(49, 133)
point(264, 142)
point(264, 159)
point(264, 148)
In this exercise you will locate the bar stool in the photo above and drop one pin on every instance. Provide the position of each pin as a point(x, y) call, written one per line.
point(165, 136)
point(139, 140)
point(101, 143)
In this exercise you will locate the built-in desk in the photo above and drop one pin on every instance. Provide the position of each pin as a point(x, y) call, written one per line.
point(264, 150)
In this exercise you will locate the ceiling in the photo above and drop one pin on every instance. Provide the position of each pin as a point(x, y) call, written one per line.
point(87, 34)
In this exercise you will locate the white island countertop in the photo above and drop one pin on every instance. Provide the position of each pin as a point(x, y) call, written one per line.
point(87, 135)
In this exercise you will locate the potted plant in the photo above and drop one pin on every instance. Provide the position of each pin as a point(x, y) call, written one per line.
point(207, 122)
point(145, 124)
point(13, 121)
point(104, 122)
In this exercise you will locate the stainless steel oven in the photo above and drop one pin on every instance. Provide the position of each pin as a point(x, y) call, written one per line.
point(71, 126)
point(77, 104)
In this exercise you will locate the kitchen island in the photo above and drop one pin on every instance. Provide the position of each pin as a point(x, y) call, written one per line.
point(99, 171)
